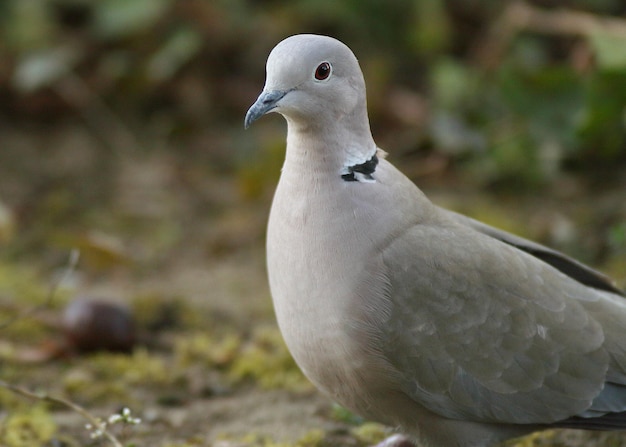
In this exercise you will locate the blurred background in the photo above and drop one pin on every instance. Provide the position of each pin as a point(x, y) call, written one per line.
point(121, 136)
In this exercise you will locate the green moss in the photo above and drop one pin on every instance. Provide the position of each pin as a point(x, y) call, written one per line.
point(201, 347)
point(8, 399)
point(543, 438)
point(111, 377)
point(370, 433)
point(265, 360)
point(140, 367)
point(313, 438)
point(81, 384)
point(29, 427)
point(22, 290)
point(19, 281)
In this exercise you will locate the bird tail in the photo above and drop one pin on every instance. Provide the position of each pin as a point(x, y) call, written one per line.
point(609, 421)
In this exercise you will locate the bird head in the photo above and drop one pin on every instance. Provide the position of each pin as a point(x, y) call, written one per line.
point(310, 79)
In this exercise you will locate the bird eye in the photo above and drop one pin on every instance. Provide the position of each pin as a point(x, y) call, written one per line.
point(322, 72)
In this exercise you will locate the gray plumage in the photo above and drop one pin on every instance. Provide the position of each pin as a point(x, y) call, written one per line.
point(415, 316)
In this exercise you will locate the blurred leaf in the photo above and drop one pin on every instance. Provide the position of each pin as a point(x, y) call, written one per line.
point(610, 50)
point(26, 24)
point(116, 64)
point(515, 157)
point(601, 125)
point(453, 83)
point(43, 68)
point(99, 250)
point(550, 101)
point(529, 54)
point(178, 50)
point(122, 18)
point(617, 237)
point(431, 32)
point(549, 95)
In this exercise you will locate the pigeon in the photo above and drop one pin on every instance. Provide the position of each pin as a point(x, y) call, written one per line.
point(452, 331)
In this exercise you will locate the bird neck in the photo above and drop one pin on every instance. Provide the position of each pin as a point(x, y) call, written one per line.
point(331, 146)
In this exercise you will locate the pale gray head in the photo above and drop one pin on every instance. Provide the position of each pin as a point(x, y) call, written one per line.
point(311, 80)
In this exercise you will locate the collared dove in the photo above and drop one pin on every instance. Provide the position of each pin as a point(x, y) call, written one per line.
point(411, 315)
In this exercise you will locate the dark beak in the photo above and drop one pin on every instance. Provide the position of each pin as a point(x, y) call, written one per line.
point(266, 102)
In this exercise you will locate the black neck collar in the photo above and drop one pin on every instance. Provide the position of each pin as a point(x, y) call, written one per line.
point(361, 172)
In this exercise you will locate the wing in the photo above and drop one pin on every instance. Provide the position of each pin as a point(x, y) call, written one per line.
point(560, 261)
point(481, 330)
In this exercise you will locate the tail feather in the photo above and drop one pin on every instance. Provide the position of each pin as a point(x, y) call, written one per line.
point(609, 421)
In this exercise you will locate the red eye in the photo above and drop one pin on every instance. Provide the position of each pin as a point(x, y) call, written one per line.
point(322, 72)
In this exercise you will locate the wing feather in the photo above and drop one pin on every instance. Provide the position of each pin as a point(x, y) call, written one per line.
point(484, 331)
point(558, 260)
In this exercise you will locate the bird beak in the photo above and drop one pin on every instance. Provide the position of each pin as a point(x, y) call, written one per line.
point(266, 102)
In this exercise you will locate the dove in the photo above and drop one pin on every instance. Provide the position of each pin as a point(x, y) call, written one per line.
point(455, 332)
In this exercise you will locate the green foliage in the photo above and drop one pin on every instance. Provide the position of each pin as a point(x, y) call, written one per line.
point(26, 428)
point(206, 350)
point(118, 18)
point(22, 291)
point(617, 237)
point(538, 109)
point(370, 433)
point(139, 368)
point(602, 124)
point(313, 438)
point(266, 361)
point(431, 32)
